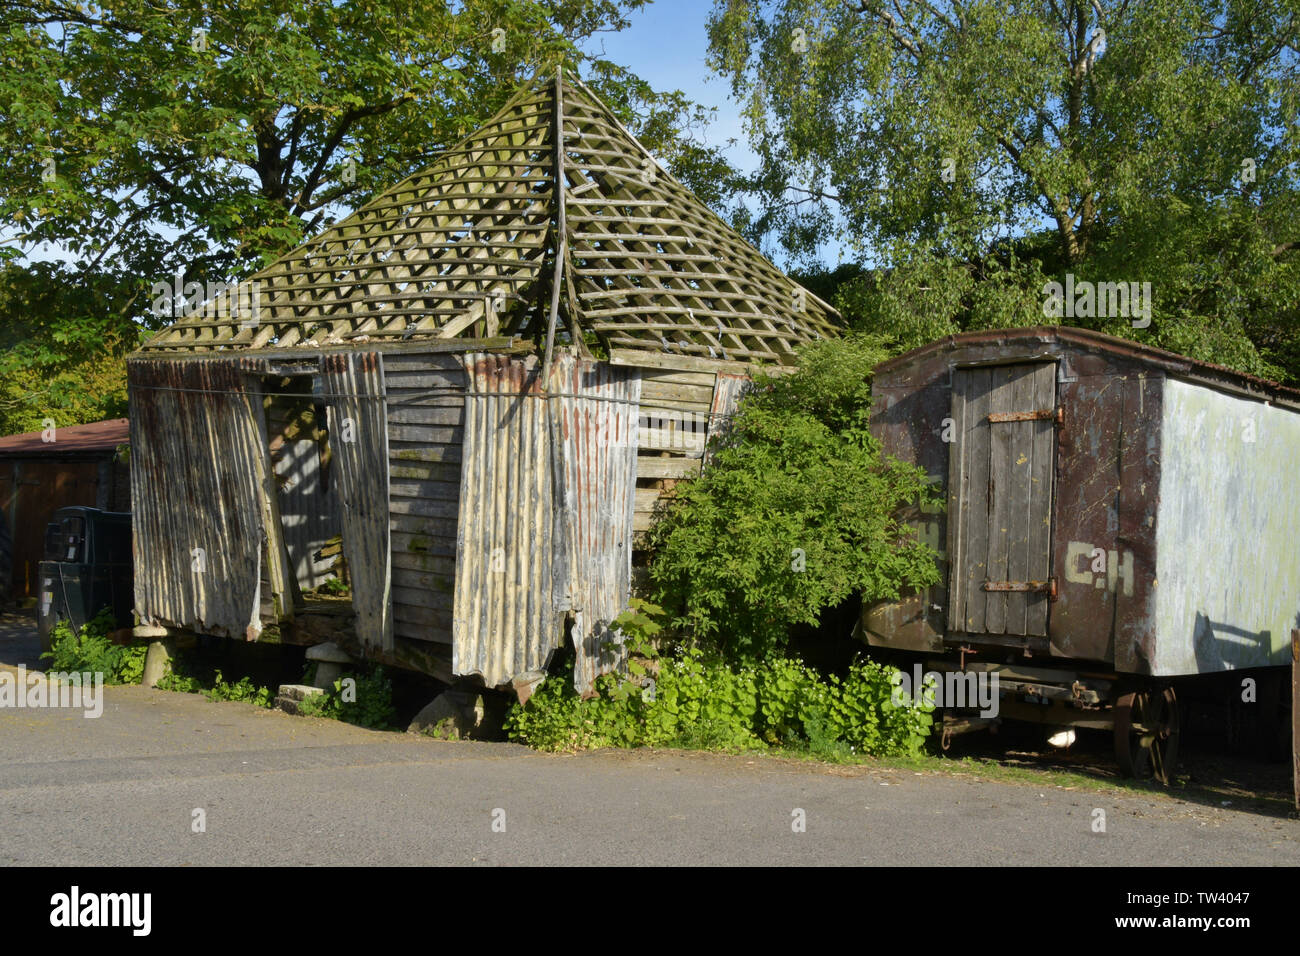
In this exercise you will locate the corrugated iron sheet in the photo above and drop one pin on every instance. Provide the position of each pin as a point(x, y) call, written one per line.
point(196, 474)
point(594, 412)
point(359, 444)
point(504, 623)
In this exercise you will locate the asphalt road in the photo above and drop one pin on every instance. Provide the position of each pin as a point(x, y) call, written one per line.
point(275, 790)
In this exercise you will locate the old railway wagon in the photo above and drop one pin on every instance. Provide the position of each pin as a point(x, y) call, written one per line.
point(467, 397)
point(1117, 517)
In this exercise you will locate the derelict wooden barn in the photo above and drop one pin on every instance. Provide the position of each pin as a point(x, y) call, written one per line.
point(480, 382)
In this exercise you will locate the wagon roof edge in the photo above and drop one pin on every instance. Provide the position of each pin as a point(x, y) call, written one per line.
point(1207, 373)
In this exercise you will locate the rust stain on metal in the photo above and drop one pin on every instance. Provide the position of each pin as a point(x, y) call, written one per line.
point(547, 495)
point(1046, 587)
point(503, 622)
point(1133, 480)
point(594, 430)
point(1042, 415)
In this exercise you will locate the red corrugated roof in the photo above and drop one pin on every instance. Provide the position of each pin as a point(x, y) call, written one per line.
point(72, 439)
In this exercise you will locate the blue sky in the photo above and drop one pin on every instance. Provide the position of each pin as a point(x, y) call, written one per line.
point(666, 45)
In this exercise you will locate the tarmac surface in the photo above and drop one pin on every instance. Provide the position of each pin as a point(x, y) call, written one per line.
point(124, 788)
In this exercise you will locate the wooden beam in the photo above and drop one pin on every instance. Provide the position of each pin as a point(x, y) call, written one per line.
point(690, 363)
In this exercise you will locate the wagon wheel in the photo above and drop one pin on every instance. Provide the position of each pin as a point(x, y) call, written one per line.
point(1146, 734)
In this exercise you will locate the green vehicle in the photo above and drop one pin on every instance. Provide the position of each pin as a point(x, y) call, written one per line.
point(86, 568)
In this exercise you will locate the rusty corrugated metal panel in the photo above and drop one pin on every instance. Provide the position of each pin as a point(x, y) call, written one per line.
point(196, 476)
point(594, 412)
point(359, 443)
point(504, 623)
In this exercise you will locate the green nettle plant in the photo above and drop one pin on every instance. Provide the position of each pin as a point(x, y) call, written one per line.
point(798, 510)
point(91, 649)
point(243, 690)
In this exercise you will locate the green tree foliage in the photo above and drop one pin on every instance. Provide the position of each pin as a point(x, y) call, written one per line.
point(155, 138)
point(150, 136)
point(976, 149)
point(63, 338)
point(798, 511)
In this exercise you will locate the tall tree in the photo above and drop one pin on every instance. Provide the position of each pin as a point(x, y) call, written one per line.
point(146, 135)
point(150, 137)
point(975, 149)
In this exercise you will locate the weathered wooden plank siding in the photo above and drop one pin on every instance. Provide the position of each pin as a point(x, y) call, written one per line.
point(424, 388)
point(675, 410)
point(359, 443)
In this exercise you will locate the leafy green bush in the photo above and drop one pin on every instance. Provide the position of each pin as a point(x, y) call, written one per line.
point(698, 704)
point(798, 511)
point(92, 650)
point(364, 698)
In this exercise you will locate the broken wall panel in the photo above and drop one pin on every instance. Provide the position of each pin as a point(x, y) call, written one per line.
point(308, 510)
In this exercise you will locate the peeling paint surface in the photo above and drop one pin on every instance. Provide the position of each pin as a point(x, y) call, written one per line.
point(1228, 541)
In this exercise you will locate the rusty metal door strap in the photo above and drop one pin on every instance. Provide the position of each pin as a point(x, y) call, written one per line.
point(1047, 587)
point(1056, 415)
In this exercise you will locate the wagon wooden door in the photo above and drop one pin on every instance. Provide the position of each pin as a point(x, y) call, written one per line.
point(1000, 481)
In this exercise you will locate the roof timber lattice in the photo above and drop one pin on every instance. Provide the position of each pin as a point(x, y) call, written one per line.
point(469, 247)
